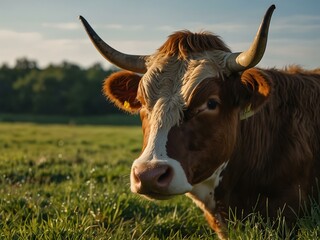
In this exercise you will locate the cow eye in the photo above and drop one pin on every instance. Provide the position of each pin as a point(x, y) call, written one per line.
point(212, 104)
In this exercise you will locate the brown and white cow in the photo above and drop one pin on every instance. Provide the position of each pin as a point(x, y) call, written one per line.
point(215, 128)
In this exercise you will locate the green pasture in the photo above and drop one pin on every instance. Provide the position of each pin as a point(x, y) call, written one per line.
point(71, 181)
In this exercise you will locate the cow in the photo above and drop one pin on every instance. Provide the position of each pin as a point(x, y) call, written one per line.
point(227, 134)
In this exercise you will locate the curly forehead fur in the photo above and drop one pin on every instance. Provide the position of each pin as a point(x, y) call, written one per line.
point(178, 66)
point(184, 42)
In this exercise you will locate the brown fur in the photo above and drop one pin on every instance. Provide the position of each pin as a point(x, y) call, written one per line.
point(273, 157)
point(295, 69)
point(203, 135)
point(257, 85)
point(218, 223)
point(121, 87)
point(276, 156)
point(184, 42)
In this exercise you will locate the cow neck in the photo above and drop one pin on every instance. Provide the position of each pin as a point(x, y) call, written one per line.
point(203, 194)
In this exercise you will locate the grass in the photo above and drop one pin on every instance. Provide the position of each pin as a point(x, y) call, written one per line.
point(72, 182)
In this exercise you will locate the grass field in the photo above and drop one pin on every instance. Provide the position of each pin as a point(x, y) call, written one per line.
point(72, 182)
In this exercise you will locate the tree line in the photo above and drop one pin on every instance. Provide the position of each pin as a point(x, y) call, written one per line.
point(63, 89)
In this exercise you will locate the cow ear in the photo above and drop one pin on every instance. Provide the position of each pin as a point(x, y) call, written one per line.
point(256, 88)
point(121, 89)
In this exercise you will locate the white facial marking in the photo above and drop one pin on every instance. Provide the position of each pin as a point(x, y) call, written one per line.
point(156, 152)
point(203, 193)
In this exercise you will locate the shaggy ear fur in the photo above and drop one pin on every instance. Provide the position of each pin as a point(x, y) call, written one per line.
point(256, 88)
point(121, 89)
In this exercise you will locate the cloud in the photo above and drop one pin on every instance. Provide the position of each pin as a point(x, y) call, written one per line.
point(35, 46)
point(62, 26)
point(140, 47)
point(226, 27)
point(300, 19)
point(166, 28)
point(217, 28)
point(117, 26)
point(113, 26)
point(297, 24)
point(283, 52)
point(287, 51)
point(75, 26)
point(7, 35)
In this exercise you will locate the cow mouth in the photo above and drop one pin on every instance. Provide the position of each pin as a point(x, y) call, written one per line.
point(155, 195)
point(158, 196)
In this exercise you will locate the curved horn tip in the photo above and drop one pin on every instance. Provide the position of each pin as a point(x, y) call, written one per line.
point(270, 10)
point(82, 19)
point(135, 63)
point(240, 61)
point(272, 7)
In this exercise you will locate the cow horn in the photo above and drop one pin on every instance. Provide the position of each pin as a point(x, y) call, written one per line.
point(135, 63)
point(237, 62)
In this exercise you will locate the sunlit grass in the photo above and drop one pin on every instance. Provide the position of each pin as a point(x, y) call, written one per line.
point(72, 182)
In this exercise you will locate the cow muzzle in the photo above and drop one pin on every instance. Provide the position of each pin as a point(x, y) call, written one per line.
point(158, 180)
point(151, 178)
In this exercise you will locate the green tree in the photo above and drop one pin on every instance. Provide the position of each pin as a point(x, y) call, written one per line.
point(96, 102)
point(57, 89)
point(7, 93)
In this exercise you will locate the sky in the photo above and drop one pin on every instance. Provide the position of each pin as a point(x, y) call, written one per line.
point(49, 31)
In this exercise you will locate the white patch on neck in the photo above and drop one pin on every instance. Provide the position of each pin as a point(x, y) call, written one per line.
point(203, 193)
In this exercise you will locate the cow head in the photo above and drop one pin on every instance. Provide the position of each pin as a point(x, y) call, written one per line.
point(191, 97)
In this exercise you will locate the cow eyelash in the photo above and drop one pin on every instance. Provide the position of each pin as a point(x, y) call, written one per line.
point(212, 104)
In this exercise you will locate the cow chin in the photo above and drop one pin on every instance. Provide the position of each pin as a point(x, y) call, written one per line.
point(153, 195)
point(158, 196)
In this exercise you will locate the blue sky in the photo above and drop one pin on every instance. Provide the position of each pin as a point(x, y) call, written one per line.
point(49, 31)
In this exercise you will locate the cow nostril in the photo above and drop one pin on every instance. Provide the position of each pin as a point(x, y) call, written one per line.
point(151, 179)
point(136, 176)
point(165, 178)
